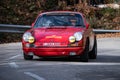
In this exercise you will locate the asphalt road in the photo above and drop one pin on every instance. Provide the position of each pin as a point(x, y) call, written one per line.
point(105, 67)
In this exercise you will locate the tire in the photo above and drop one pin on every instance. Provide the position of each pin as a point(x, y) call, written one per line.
point(27, 57)
point(93, 53)
point(84, 56)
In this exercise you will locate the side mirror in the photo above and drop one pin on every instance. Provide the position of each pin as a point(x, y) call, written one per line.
point(87, 25)
point(32, 25)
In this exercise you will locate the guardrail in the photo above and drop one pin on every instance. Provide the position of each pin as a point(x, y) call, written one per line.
point(13, 28)
point(22, 29)
point(100, 31)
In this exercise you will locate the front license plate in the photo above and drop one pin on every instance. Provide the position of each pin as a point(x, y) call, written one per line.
point(51, 44)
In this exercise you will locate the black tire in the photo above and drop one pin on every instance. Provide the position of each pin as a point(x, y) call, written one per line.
point(27, 57)
point(84, 57)
point(93, 53)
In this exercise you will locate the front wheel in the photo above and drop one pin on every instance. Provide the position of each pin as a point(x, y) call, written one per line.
point(27, 57)
point(93, 53)
point(84, 56)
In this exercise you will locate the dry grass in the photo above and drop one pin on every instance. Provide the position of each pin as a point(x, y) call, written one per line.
point(109, 35)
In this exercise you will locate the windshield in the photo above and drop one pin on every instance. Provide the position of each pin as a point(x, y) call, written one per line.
point(59, 20)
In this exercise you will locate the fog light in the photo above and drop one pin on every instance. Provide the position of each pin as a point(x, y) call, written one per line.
point(72, 53)
point(31, 39)
point(71, 39)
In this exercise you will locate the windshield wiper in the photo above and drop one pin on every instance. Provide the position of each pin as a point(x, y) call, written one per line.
point(79, 25)
point(59, 27)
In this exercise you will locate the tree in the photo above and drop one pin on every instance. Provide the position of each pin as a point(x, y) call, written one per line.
point(108, 1)
point(50, 5)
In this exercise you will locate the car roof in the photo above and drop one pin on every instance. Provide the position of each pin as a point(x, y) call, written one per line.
point(60, 12)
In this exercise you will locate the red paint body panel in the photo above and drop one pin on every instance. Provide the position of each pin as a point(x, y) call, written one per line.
point(42, 52)
point(45, 35)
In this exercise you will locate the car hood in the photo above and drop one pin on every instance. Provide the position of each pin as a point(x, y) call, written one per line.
point(54, 36)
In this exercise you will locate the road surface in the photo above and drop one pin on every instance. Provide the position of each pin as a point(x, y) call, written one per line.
point(105, 67)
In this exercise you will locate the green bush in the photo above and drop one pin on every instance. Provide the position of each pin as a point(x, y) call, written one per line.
point(10, 37)
point(104, 18)
point(50, 5)
point(108, 1)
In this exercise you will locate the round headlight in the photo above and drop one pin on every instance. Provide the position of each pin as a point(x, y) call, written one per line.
point(78, 36)
point(72, 39)
point(26, 36)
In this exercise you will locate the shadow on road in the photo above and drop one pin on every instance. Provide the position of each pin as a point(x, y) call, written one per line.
point(104, 56)
point(59, 59)
point(100, 58)
point(108, 58)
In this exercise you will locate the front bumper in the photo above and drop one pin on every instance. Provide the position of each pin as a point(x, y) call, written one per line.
point(46, 52)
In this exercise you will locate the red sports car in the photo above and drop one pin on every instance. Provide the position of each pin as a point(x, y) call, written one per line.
point(60, 33)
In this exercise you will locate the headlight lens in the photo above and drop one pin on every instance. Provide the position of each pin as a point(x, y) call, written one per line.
point(78, 36)
point(28, 37)
point(72, 39)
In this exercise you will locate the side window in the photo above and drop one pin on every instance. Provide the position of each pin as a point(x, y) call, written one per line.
point(86, 23)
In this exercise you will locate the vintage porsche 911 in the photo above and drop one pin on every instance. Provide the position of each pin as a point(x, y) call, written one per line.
point(60, 33)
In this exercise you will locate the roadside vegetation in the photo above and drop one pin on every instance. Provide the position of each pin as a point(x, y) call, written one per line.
point(23, 12)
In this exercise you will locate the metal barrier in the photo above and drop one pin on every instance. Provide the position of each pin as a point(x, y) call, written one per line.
point(13, 28)
point(21, 29)
point(100, 31)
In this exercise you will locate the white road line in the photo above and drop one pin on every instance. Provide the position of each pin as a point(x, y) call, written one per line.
point(13, 65)
point(2, 64)
point(14, 56)
point(34, 76)
point(95, 63)
point(81, 63)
